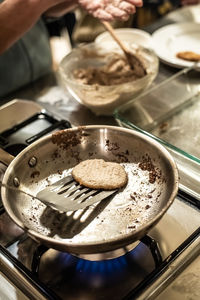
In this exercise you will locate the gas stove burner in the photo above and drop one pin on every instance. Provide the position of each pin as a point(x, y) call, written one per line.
point(146, 240)
point(137, 249)
point(71, 277)
point(95, 279)
point(108, 255)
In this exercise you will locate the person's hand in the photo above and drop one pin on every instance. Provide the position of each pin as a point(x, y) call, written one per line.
point(108, 10)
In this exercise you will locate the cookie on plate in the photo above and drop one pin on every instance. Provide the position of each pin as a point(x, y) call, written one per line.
point(188, 55)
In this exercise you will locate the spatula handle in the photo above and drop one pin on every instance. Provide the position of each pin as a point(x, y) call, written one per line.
point(110, 29)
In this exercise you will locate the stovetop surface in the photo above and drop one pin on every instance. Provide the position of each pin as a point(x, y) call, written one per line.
point(72, 277)
point(66, 276)
point(177, 277)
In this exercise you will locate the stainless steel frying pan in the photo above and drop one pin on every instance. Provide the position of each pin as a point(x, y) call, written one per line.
point(110, 224)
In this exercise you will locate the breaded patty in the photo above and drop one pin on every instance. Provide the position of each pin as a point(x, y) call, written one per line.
point(98, 174)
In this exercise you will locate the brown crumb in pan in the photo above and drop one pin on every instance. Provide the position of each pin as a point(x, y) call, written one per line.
point(147, 165)
point(67, 138)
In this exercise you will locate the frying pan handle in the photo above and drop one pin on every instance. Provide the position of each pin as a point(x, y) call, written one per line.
point(5, 157)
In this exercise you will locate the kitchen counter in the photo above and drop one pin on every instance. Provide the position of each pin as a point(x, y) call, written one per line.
point(49, 94)
point(52, 96)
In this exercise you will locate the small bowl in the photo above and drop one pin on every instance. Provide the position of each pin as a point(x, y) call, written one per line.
point(104, 99)
point(126, 35)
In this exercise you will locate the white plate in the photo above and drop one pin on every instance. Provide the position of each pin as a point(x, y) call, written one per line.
point(188, 13)
point(171, 39)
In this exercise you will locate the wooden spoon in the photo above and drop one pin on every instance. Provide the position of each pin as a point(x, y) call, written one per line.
point(133, 60)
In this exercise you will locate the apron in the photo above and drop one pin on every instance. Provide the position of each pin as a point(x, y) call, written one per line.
point(27, 60)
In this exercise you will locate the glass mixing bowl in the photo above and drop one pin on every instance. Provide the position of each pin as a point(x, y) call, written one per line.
point(104, 99)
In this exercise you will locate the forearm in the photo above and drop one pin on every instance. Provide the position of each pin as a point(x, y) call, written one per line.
point(17, 17)
point(61, 9)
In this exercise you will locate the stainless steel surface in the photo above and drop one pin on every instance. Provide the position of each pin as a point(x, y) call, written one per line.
point(9, 291)
point(174, 269)
point(111, 224)
point(66, 195)
point(26, 288)
point(19, 110)
point(180, 220)
point(75, 279)
point(186, 284)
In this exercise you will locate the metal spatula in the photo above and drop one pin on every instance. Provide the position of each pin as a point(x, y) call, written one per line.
point(67, 195)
